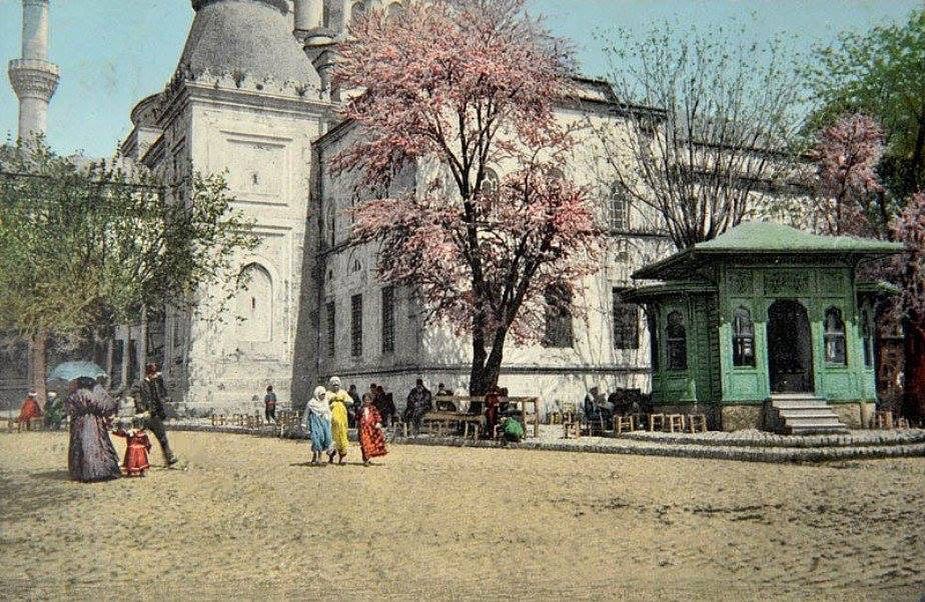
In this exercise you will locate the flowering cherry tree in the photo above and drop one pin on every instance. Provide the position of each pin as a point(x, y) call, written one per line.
point(853, 201)
point(910, 229)
point(467, 86)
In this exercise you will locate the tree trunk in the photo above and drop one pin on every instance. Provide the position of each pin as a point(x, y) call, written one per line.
point(477, 384)
point(914, 373)
point(39, 361)
point(109, 353)
point(487, 371)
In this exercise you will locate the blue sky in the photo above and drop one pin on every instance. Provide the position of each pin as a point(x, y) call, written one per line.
point(114, 52)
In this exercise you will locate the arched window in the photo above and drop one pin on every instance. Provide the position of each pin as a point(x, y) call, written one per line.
point(357, 11)
point(395, 10)
point(254, 305)
point(867, 336)
point(835, 348)
point(490, 183)
point(743, 338)
point(676, 342)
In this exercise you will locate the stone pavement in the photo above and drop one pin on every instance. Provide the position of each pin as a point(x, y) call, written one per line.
point(748, 446)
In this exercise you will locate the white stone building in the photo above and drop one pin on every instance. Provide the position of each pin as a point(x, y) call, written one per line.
point(251, 97)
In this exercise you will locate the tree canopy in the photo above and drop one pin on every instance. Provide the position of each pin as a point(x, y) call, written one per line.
point(880, 73)
point(468, 86)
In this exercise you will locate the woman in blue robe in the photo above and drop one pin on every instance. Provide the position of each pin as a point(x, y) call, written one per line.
point(317, 423)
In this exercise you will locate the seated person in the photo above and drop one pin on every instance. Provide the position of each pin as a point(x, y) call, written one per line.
point(444, 405)
point(512, 430)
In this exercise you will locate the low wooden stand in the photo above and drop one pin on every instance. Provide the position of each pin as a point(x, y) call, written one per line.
point(697, 423)
point(624, 423)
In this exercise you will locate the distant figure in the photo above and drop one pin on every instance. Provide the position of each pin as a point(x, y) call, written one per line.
point(444, 405)
point(339, 424)
point(353, 410)
point(269, 405)
point(492, 406)
point(137, 446)
point(419, 402)
point(317, 423)
point(386, 407)
point(30, 409)
point(596, 407)
point(91, 456)
point(149, 406)
point(54, 411)
point(372, 440)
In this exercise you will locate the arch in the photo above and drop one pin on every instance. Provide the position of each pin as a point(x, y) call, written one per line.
point(357, 11)
point(395, 10)
point(676, 341)
point(743, 338)
point(790, 349)
point(254, 305)
point(836, 351)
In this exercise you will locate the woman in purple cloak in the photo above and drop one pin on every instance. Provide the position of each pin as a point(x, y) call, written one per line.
point(91, 456)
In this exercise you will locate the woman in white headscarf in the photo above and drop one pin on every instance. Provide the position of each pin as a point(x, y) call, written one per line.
point(317, 423)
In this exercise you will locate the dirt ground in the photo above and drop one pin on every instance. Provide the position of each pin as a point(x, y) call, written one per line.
point(249, 519)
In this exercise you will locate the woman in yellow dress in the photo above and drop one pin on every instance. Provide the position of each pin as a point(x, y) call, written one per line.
point(338, 400)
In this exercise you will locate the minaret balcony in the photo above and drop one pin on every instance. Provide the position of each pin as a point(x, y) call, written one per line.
point(34, 78)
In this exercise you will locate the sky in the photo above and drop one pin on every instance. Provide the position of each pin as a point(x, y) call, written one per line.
point(113, 53)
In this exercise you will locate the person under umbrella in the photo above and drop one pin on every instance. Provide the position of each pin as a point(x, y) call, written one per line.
point(91, 456)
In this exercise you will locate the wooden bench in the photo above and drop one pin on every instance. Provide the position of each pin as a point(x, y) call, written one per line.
point(34, 424)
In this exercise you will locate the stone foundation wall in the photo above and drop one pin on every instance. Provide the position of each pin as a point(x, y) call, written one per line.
point(738, 417)
point(856, 415)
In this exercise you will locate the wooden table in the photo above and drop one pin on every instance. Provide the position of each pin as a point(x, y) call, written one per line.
point(522, 402)
point(445, 419)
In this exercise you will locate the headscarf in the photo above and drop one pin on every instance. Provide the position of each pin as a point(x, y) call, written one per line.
point(334, 381)
point(318, 404)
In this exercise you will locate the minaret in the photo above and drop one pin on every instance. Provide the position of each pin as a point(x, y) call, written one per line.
point(34, 79)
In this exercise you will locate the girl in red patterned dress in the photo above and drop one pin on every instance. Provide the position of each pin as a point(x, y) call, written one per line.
point(136, 450)
point(372, 441)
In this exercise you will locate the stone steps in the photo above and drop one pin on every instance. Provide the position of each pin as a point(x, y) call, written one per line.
point(804, 415)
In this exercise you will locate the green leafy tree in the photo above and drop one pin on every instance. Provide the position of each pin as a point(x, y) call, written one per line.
point(85, 247)
point(880, 73)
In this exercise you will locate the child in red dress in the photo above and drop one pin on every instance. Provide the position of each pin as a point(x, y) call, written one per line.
point(136, 450)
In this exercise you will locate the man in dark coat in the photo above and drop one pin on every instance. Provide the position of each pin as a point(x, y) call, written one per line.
point(149, 402)
point(419, 402)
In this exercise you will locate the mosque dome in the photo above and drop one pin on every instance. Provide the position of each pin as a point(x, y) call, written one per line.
point(251, 37)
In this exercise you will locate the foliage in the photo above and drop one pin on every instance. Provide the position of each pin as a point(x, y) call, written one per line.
point(850, 199)
point(879, 73)
point(714, 130)
point(86, 245)
point(468, 85)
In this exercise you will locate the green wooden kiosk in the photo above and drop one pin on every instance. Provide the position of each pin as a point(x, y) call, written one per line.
point(764, 327)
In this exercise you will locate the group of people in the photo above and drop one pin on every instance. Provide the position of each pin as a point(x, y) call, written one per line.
point(92, 411)
point(326, 420)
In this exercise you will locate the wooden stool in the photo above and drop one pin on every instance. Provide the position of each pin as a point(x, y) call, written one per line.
point(656, 422)
point(623, 423)
point(884, 420)
point(697, 423)
point(902, 423)
point(554, 418)
point(675, 423)
point(571, 428)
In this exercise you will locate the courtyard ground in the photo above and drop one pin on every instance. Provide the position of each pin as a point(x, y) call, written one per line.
point(248, 519)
